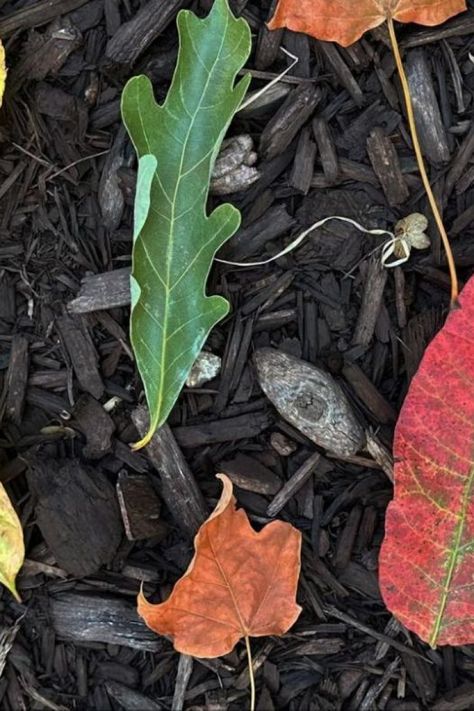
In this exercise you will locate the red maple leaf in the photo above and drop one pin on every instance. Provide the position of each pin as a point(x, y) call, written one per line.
point(427, 557)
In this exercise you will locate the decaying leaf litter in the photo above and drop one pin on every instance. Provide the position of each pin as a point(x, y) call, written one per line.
point(364, 327)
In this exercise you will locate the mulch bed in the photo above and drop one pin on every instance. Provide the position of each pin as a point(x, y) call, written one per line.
point(331, 139)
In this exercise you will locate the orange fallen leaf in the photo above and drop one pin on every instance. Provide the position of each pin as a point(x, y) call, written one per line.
point(345, 21)
point(239, 584)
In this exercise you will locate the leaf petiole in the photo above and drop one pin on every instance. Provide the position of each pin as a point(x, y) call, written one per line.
point(421, 162)
point(251, 674)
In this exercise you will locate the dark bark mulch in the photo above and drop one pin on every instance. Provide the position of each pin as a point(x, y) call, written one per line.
point(331, 138)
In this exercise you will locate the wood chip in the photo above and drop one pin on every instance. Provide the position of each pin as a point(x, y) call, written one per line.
point(368, 393)
point(102, 291)
point(386, 165)
point(140, 506)
point(247, 473)
point(268, 46)
point(17, 379)
point(84, 618)
point(429, 122)
point(458, 699)
point(249, 240)
point(134, 36)
point(460, 162)
point(82, 353)
point(293, 484)
point(320, 647)
point(130, 699)
point(185, 668)
point(346, 539)
point(177, 484)
point(337, 64)
point(380, 453)
point(374, 286)
point(77, 513)
point(287, 121)
point(46, 53)
point(39, 13)
point(96, 425)
point(303, 165)
point(224, 430)
point(326, 148)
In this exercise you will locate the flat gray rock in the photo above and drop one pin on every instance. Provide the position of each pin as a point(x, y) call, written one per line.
point(310, 399)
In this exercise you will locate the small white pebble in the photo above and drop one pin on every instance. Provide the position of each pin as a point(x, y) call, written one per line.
point(206, 367)
point(283, 445)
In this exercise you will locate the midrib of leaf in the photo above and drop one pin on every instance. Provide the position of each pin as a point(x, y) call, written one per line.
point(169, 251)
point(243, 626)
point(453, 558)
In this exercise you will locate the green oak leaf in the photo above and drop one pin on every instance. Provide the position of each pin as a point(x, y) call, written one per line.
point(174, 239)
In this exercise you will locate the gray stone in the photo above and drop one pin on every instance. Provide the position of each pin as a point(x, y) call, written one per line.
point(310, 399)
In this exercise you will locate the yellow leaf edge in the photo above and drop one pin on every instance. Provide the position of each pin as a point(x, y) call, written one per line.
point(12, 546)
point(3, 71)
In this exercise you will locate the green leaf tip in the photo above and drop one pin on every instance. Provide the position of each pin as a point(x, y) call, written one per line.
point(174, 239)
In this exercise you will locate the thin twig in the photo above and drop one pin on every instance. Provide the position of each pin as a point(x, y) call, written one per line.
point(76, 162)
point(421, 163)
point(251, 674)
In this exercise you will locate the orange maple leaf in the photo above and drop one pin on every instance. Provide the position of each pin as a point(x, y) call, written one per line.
point(345, 21)
point(239, 584)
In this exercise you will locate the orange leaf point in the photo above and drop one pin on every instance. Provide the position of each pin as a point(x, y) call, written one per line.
point(240, 583)
point(345, 21)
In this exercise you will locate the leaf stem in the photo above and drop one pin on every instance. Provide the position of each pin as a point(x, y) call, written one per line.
point(251, 674)
point(421, 162)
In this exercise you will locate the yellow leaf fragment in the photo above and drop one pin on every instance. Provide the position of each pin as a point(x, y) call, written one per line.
point(3, 71)
point(12, 547)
